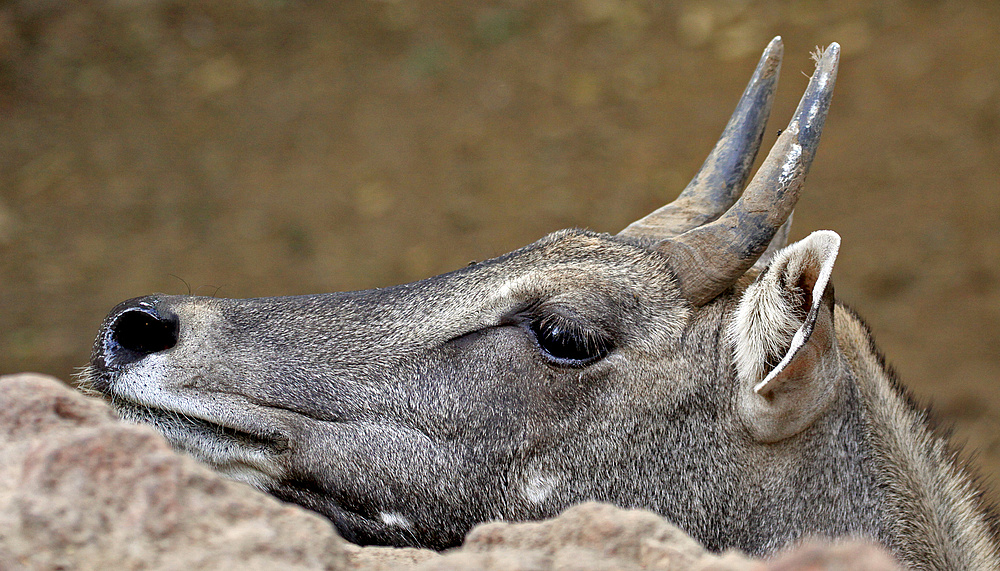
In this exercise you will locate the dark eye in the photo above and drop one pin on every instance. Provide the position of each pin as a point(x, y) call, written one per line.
point(567, 345)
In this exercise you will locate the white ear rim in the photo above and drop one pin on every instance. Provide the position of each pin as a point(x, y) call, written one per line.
point(827, 243)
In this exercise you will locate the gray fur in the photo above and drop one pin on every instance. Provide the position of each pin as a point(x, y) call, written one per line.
point(408, 414)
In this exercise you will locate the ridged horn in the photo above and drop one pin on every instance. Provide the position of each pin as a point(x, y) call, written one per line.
point(724, 173)
point(710, 258)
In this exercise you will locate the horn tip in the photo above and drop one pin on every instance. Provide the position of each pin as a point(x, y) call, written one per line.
point(774, 50)
point(811, 113)
point(827, 60)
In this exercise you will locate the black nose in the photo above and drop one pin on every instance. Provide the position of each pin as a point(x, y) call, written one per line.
point(137, 329)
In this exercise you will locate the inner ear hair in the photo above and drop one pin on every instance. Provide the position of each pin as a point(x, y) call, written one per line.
point(784, 345)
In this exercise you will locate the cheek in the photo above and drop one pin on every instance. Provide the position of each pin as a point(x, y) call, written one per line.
point(477, 387)
point(495, 386)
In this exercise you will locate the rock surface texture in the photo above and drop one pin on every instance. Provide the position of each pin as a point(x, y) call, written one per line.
point(81, 490)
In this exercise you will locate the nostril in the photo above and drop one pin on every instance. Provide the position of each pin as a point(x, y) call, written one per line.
point(144, 331)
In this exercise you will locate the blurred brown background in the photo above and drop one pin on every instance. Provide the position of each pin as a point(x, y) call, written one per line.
point(277, 147)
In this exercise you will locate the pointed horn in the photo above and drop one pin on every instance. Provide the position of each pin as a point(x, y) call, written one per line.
point(723, 175)
point(778, 243)
point(710, 258)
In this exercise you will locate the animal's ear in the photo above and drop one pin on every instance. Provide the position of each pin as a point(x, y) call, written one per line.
point(785, 349)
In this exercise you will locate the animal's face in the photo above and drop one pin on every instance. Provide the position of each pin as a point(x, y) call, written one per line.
point(581, 366)
point(460, 389)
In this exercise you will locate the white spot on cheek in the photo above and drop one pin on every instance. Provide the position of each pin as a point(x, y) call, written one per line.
point(539, 487)
point(395, 520)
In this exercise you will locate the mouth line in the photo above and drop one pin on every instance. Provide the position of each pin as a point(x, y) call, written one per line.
point(172, 420)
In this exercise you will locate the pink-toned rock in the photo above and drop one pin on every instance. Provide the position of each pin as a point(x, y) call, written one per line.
point(598, 537)
point(590, 536)
point(819, 556)
point(387, 558)
point(80, 490)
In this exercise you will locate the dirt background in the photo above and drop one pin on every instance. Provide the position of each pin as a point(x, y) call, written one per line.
point(278, 147)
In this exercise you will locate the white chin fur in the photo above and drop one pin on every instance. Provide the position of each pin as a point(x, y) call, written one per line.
point(179, 423)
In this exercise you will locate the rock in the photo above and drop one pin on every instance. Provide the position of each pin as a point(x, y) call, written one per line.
point(598, 537)
point(853, 555)
point(590, 536)
point(387, 558)
point(81, 490)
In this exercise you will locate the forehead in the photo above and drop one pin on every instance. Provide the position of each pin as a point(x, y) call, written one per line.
point(591, 275)
point(575, 259)
point(572, 267)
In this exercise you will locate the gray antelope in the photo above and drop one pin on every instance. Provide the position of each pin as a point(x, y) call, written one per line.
point(691, 364)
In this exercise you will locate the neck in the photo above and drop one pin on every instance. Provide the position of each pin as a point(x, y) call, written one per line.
point(933, 512)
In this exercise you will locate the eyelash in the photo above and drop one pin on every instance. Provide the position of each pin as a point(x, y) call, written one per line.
point(565, 343)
